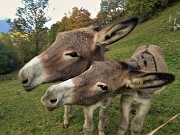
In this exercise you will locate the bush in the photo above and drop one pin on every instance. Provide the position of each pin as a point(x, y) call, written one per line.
point(7, 60)
point(146, 8)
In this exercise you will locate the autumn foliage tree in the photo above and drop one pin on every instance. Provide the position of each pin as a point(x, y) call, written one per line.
point(77, 19)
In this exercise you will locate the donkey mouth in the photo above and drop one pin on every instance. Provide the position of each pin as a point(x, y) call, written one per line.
point(51, 108)
point(29, 88)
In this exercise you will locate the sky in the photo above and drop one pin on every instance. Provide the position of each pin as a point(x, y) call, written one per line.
point(57, 8)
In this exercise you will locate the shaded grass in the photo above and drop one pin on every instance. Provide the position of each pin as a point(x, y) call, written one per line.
point(22, 113)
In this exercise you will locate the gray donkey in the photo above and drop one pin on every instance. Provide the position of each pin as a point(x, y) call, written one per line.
point(70, 55)
point(137, 80)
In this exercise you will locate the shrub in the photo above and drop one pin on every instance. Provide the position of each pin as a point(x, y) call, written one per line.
point(7, 60)
point(146, 8)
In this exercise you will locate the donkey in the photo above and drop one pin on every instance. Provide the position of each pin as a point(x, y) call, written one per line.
point(71, 54)
point(136, 80)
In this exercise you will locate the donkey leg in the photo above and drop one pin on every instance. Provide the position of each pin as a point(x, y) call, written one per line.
point(103, 115)
point(125, 108)
point(88, 115)
point(102, 118)
point(67, 115)
point(141, 112)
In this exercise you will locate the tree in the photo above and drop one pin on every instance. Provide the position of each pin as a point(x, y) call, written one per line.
point(31, 20)
point(19, 45)
point(110, 10)
point(52, 32)
point(77, 19)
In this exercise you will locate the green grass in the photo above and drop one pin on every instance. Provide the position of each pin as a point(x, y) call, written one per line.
point(22, 113)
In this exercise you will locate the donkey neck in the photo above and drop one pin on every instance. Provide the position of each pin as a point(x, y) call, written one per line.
point(98, 54)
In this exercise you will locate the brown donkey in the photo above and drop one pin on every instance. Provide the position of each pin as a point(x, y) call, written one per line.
point(137, 80)
point(71, 54)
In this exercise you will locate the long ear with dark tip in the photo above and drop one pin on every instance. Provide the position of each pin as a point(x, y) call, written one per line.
point(143, 80)
point(115, 32)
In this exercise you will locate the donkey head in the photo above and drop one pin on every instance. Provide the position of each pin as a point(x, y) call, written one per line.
point(102, 79)
point(72, 53)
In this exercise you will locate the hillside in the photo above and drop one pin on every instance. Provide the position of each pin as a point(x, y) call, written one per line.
point(22, 113)
point(157, 31)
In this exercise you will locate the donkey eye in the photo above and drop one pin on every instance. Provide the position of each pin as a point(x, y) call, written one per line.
point(72, 54)
point(103, 87)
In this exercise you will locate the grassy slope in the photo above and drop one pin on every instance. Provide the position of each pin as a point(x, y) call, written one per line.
point(22, 112)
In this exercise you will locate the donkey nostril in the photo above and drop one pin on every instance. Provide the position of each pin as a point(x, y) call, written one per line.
point(53, 101)
point(25, 81)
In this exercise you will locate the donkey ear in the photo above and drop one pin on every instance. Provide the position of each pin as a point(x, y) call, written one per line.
point(115, 32)
point(143, 80)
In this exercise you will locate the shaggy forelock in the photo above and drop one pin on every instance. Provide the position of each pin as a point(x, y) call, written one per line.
point(80, 40)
